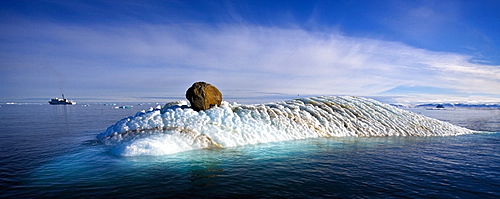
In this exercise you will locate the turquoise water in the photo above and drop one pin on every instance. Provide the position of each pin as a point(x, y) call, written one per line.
point(51, 151)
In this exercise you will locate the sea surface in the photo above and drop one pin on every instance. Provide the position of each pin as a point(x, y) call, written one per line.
point(52, 152)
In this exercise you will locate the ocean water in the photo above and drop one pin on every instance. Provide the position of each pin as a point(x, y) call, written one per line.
point(53, 151)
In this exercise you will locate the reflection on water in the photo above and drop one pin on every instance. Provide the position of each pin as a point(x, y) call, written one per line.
point(61, 117)
point(204, 177)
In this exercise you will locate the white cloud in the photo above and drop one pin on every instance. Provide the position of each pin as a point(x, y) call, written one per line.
point(242, 60)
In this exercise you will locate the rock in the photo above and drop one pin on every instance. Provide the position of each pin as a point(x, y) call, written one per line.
point(203, 96)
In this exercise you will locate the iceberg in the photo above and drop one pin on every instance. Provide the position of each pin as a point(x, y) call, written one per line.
point(176, 128)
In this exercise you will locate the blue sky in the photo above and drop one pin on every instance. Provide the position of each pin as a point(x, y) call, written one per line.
point(253, 51)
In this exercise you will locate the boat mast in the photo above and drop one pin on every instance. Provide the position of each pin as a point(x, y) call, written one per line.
point(63, 96)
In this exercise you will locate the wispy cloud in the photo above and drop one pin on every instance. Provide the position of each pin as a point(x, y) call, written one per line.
point(244, 61)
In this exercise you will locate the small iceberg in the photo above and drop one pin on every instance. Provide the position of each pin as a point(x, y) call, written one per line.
point(123, 107)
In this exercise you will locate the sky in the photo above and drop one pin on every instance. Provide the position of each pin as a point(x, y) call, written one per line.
point(254, 51)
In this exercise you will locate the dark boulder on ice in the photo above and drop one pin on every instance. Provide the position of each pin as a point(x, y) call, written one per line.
point(203, 96)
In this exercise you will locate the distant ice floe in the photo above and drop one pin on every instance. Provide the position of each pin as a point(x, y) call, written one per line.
point(176, 128)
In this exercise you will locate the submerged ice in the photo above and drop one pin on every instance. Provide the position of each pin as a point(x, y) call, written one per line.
point(176, 128)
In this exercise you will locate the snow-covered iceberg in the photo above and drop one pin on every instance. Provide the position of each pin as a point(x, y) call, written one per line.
point(176, 128)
